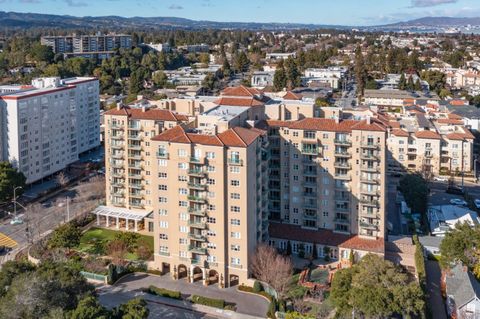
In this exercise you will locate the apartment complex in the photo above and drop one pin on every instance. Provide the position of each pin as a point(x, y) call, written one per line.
point(211, 186)
point(436, 145)
point(46, 125)
point(99, 46)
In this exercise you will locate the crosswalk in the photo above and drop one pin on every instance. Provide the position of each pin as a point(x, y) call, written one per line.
point(7, 241)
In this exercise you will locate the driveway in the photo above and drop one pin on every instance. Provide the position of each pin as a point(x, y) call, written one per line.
point(246, 303)
point(435, 300)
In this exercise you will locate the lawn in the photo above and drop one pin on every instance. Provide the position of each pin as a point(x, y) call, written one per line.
point(101, 235)
point(319, 275)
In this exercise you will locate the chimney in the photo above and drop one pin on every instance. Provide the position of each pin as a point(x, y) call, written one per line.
point(144, 108)
point(119, 105)
point(337, 119)
point(369, 120)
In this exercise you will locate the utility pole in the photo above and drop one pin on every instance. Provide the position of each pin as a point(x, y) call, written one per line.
point(68, 210)
point(15, 201)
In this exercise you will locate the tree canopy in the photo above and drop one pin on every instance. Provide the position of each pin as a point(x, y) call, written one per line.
point(10, 178)
point(375, 288)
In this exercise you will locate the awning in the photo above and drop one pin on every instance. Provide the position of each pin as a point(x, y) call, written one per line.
point(121, 213)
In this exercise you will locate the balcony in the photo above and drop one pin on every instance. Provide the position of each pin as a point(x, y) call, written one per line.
point(342, 165)
point(118, 203)
point(310, 217)
point(341, 220)
point(370, 192)
point(117, 165)
point(341, 208)
point(370, 169)
point(310, 205)
point(117, 137)
point(137, 165)
point(428, 155)
point(134, 127)
point(163, 155)
point(310, 150)
point(342, 199)
point(367, 145)
point(135, 156)
point(136, 195)
point(135, 175)
point(342, 187)
point(118, 192)
point(118, 174)
point(139, 205)
point(310, 183)
point(310, 194)
point(368, 225)
point(197, 173)
point(197, 212)
point(197, 250)
point(136, 185)
point(344, 177)
point(197, 199)
point(343, 154)
point(137, 137)
point(309, 172)
point(117, 146)
point(197, 224)
point(192, 185)
point(369, 157)
point(342, 142)
point(369, 181)
point(119, 155)
point(196, 160)
point(164, 253)
point(235, 162)
point(118, 184)
point(197, 237)
point(115, 126)
point(135, 147)
point(370, 202)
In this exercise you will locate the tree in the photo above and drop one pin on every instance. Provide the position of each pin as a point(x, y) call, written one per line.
point(241, 62)
point(226, 69)
point(415, 190)
point(10, 178)
point(62, 179)
point(210, 81)
point(280, 77)
point(117, 249)
point(461, 244)
point(272, 268)
point(133, 309)
point(10, 270)
point(292, 74)
point(402, 84)
point(360, 72)
point(204, 59)
point(418, 85)
point(375, 288)
point(42, 53)
point(90, 308)
point(65, 236)
point(129, 238)
point(160, 79)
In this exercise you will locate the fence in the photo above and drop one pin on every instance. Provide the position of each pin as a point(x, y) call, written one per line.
point(94, 277)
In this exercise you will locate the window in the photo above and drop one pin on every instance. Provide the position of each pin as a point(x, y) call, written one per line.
point(183, 241)
point(182, 178)
point(210, 168)
point(163, 236)
point(183, 254)
point(162, 212)
point(182, 153)
point(162, 162)
point(235, 247)
point(235, 209)
point(211, 233)
point(163, 224)
point(183, 216)
point(235, 261)
point(182, 165)
point(182, 191)
point(210, 155)
point(183, 229)
point(234, 195)
point(210, 181)
point(235, 235)
point(234, 169)
point(162, 175)
point(211, 259)
point(162, 187)
point(235, 182)
point(295, 133)
point(182, 203)
point(211, 194)
point(235, 222)
point(162, 199)
point(211, 207)
point(211, 220)
point(163, 249)
point(212, 246)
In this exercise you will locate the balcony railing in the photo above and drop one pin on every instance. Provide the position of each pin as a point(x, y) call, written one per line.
point(135, 147)
point(345, 177)
point(342, 142)
point(135, 137)
point(308, 172)
point(197, 186)
point(343, 154)
point(117, 155)
point(196, 172)
point(235, 161)
point(195, 198)
point(370, 202)
point(163, 155)
point(197, 237)
point(196, 160)
point(197, 250)
point(369, 181)
point(116, 126)
point(197, 212)
point(370, 169)
point(117, 137)
point(369, 145)
point(310, 151)
point(369, 157)
point(368, 225)
point(117, 146)
point(342, 165)
point(370, 192)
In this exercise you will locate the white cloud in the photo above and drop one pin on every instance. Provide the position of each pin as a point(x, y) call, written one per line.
point(430, 3)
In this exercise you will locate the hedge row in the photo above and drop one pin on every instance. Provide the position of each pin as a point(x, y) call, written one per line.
point(251, 290)
point(217, 303)
point(420, 262)
point(164, 292)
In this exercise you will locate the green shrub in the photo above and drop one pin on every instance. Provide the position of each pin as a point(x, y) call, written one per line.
point(242, 287)
point(211, 302)
point(164, 292)
point(257, 286)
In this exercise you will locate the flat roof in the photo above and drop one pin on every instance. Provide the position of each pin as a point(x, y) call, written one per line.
point(226, 112)
point(121, 212)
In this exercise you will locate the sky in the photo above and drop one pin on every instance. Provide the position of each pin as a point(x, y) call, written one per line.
point(339, 12)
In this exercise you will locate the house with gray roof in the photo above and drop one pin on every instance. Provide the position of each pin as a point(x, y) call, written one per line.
point(463, 293)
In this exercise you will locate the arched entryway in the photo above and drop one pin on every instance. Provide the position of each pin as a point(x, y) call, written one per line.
point(182, 271)
point(212, 277)
point(234, 280)
point(165, 268)
point(197, 274)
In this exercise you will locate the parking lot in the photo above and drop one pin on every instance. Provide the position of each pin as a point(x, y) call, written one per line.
point(438, 196)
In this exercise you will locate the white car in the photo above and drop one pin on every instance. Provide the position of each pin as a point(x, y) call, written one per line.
point(440, 179)
point(477, 203)
point(16, 221)
point(457, 201)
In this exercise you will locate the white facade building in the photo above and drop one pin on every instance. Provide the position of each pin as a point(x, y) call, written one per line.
point(46, 126)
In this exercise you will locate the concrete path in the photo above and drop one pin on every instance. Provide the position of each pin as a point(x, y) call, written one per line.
point(435, 300)
point(248, 305)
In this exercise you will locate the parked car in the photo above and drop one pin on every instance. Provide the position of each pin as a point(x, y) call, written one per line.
point(457, 201)
point(16, 221)
point(454, 190)
point(440, 179)
point(477, 203)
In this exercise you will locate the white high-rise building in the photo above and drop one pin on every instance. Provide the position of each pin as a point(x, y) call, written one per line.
point(46, 125)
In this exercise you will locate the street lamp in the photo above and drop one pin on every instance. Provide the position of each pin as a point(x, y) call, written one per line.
point(15, 200)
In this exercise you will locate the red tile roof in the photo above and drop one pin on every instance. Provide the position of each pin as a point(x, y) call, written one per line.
point(394, 124)
point(399, 132)
point(325, 237)
point(460, 136)
point(450, 121)
point(454, 116)
point(235, 101)
point(427, 135)
point(458, 102)
point(148, 114)
point(321, 124)
point(235, 137)
point(292, 96)
point(240, 91)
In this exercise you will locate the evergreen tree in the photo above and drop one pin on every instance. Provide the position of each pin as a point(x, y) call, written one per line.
point(402, 84)
point(360, 72)
point(280, 77)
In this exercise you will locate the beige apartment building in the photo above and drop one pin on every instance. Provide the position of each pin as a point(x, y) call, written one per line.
point(327, 186)
point(429, 145)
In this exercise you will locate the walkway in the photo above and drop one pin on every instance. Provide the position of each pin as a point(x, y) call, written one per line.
point(435, 300)
point(128, 286)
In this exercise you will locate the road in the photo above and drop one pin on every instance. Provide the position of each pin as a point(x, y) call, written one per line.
point(439, 197)
point(349, 97)
point(435, 300)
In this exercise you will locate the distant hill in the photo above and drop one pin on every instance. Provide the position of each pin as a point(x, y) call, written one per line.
point(35, 20)
point(438, 21)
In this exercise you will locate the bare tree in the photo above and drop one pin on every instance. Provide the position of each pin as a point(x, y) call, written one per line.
point(117, 249)
point(271, 267)
point(62, 179)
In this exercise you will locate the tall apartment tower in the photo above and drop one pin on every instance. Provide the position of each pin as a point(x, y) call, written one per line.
point(327, 186)
point(210, 202)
